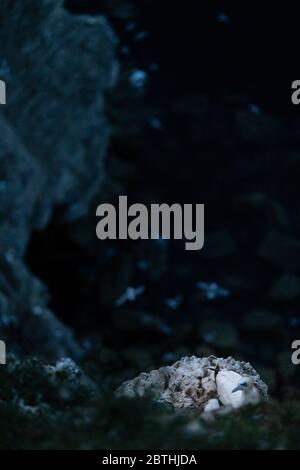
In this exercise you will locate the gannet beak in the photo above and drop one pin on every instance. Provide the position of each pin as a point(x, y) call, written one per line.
point(238, 388)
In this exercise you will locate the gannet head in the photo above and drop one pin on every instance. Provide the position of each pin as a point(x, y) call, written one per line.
point(245, 384)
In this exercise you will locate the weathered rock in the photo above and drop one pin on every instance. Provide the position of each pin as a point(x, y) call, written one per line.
point(62, 127)
point(189, 383)
point(54, 137)
point(69, 378)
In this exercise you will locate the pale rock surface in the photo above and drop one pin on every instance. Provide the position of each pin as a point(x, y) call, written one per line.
point(206, 383)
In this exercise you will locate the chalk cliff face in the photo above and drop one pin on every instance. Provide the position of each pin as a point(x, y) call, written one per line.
point(53, 141)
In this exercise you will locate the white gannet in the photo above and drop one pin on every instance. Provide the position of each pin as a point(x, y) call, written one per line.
point(235, 390)
point(211, 384)
point(250, 393)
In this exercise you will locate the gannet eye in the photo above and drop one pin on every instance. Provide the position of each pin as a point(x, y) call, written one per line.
point(241, 386)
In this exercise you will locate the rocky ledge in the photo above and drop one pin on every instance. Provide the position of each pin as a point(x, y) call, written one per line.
point(208, 384)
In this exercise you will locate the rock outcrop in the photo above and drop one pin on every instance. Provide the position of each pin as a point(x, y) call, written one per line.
point(192, 382)
point(53, 141)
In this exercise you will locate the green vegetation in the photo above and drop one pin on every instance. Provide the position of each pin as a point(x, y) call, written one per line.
point(59, 408)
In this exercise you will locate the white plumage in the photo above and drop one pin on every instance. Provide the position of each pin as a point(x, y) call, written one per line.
point(226, 381)
point(235, 390)
point(212, 405)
